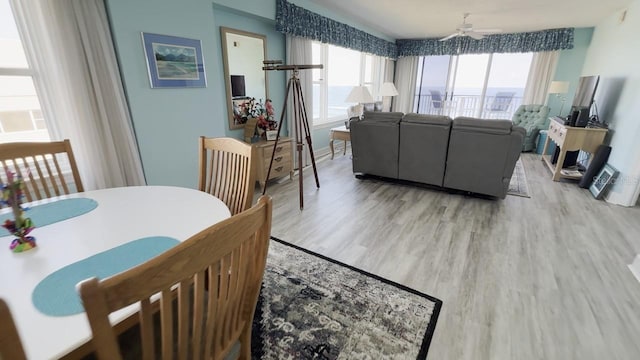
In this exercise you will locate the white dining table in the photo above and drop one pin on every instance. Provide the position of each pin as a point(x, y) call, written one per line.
point(122, 215)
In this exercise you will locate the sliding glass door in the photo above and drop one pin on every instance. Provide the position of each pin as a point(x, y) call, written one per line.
point(482, 85)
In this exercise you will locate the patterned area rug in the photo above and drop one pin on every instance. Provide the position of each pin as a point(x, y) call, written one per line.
point(518, 185)
point(312, 307)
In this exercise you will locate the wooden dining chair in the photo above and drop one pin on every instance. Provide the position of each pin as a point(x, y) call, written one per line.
point(47, 168)
point(231, 255)
point(228, 171)
point(10, 344)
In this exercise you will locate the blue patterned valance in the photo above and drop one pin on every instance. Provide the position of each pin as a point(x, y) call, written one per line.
point(546, 40)
point(298, 21)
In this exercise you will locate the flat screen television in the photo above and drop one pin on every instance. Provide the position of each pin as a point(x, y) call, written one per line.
point(237, 86)
point(585, 92)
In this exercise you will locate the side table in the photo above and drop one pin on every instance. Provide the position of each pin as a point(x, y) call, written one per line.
point(339, 133)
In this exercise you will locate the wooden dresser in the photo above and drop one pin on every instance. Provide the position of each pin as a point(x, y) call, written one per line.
point(570, 138)
point(282, 161)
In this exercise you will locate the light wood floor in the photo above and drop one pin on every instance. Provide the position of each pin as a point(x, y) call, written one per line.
point(544, 277)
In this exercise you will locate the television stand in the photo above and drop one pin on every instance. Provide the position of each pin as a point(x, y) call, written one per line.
point(569, 138)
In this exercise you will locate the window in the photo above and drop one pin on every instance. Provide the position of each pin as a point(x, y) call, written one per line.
point(20, 114)
point(483, 85)
point(343, 69)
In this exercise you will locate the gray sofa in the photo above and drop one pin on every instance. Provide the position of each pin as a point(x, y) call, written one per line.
point(475, 155)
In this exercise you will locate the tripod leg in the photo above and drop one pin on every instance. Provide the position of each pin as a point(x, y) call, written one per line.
point(275, 145)
point(305, 122)
point(299, 145)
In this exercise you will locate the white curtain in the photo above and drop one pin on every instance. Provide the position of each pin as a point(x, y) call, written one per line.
point(69, 46)
point(541, 71)
point(389, 70)
point(299, 53)
point(389, 73)
point(405, 81)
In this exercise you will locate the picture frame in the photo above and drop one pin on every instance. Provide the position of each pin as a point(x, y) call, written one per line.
point(603, 181)
point(271, 135)
point(174, 62)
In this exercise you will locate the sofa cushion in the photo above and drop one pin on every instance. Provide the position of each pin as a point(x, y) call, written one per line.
point(387, 117)
point(487, 126)
point(427, 119)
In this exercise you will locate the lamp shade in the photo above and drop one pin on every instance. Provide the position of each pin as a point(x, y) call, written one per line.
point(359, 94)
point(388, 89)
point(559, 87)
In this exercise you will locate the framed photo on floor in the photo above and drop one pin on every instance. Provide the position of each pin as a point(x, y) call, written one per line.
point(174, 62)
point(603, 181)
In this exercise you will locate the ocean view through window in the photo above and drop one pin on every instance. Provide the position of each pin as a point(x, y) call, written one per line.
point(479, 85)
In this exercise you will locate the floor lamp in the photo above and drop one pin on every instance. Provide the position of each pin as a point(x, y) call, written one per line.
point(559, 88)
point(387, 91)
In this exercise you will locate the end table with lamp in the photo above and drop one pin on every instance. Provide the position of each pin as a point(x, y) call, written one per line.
point(359, 94)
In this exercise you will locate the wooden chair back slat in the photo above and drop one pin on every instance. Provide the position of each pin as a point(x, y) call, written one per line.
point(10, 343)
point(231, 255)
point(227, 171)
point(38, 163)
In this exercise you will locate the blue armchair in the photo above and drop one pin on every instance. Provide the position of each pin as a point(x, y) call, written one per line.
point(532, 118)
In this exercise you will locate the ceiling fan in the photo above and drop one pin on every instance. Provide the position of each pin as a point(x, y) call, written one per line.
point(465, 29)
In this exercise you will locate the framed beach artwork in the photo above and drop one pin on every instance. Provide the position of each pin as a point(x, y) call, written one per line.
point(174, 62)
point(603, 180)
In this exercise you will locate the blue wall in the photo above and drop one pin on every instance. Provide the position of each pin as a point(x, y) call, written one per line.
point(168, 122)
point(224, 16)
point(570, 69)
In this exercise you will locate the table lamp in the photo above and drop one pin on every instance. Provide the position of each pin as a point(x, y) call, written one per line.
point(558, 88)
point(359, 94)
point(386, 91)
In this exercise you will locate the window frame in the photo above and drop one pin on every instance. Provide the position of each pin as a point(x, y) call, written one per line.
point(377, 77)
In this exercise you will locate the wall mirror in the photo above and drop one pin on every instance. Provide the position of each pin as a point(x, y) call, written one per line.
point(243, 53)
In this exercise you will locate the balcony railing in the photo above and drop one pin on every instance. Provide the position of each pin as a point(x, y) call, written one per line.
point(493, 107)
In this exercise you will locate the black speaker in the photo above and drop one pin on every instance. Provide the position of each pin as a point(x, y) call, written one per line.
point(572, 118)
point(599, 159)
point(583, 118)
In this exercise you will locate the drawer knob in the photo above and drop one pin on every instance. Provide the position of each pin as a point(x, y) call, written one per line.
point(279, 148)
point(279, 168)
point(278, 159)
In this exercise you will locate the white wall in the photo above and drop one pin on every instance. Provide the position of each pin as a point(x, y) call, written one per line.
point(614, 54)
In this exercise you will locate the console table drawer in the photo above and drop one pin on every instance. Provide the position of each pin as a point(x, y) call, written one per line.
point(557, 133)
point(282, 160)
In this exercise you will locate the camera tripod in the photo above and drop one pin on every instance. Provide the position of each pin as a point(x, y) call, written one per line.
point(300, 121)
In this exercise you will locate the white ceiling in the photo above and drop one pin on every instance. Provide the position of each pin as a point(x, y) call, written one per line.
point(414, 19)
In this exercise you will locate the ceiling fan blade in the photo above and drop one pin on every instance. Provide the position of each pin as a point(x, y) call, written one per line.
point(488, 31)
point(475, 35)
point(449, 37)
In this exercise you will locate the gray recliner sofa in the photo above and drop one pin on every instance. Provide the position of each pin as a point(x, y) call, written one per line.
point(482, 155)
point(476, 155)
point(377, 135)
point(424, 140)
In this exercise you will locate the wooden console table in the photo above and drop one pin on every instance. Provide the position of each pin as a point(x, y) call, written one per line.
point(569, 138)
point(282, 161)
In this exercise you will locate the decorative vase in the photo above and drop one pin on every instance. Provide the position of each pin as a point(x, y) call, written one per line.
point(23, 244)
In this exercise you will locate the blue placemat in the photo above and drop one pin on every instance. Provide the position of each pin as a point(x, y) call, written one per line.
point(56, 294)
point(50, 213)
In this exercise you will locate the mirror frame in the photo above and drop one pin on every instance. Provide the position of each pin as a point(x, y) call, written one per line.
point(227, 77)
